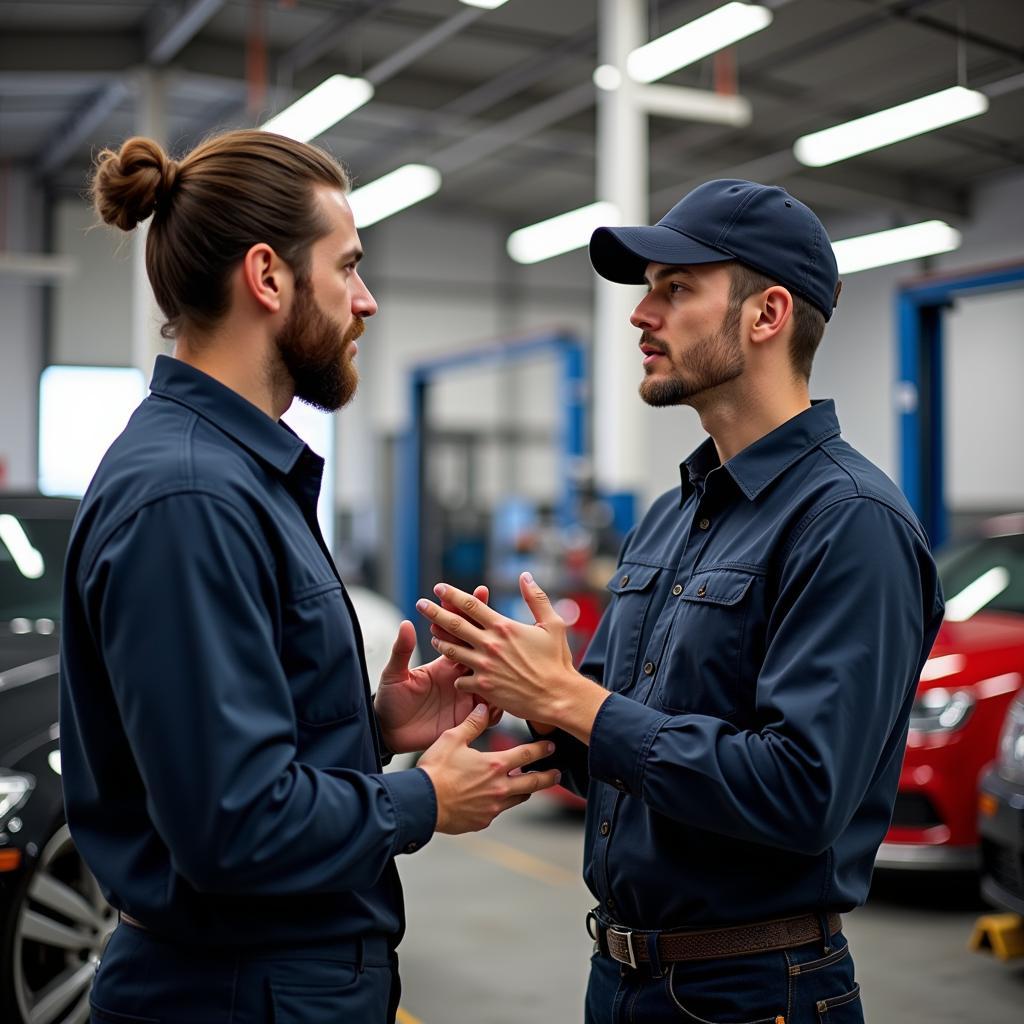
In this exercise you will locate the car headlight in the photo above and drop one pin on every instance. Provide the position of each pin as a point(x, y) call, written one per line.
point(15, 789)
point(1010, 763)
point(940, 710)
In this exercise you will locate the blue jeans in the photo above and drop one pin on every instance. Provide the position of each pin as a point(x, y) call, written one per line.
point(804, 985)
point(145, 980)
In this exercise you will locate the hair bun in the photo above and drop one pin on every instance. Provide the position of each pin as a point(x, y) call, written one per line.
point(130, 184)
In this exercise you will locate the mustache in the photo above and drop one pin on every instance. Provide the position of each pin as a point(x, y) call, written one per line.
point(655, 343)
point(356, 330)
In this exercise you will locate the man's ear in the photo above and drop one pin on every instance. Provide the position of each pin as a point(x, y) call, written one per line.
point(774, 312)
point(265, 277)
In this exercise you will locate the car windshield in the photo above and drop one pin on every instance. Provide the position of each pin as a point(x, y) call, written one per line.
point(983, 574)
point(31, 565)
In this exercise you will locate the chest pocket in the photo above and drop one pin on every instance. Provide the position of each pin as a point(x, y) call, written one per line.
point(707, 667)
point(320, 656)
point(632, 588)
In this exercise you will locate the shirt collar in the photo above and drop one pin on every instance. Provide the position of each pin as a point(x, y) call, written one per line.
point(760, 463)
point(227, 410)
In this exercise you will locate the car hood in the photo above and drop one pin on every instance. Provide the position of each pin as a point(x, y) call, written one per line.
point(988, 645)
point(28, 692)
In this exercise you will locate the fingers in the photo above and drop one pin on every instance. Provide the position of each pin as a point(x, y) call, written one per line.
point(537, 601)
point(526, 753)
point(467, 605)
point(401, 651)
point(473, 725)
point(454, 623)
point(533, 782)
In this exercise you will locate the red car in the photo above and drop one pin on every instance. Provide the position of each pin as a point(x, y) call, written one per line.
point(975, 669)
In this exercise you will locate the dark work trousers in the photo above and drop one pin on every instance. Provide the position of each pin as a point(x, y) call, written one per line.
point(145, 979)
point(804, 985)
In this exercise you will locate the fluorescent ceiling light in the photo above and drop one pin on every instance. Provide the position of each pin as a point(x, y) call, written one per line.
point(28, 560)
point(985, 589)
point(321, 108)
point(885, 127)
point(560, 234)
point(407, 186)
point(894, 246)
point(487, 5)
point(696, 39)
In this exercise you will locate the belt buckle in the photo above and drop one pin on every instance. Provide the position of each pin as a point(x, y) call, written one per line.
point(627, 934)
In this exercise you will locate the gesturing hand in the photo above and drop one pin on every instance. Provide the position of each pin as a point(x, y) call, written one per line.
point(473, 787)
point(416, 705)
point(524, 669)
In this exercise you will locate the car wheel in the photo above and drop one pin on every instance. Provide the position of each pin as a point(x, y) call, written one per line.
point(59, 927)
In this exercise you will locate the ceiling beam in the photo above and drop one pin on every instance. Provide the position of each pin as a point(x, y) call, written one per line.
point(82, 123)
point(169, 30)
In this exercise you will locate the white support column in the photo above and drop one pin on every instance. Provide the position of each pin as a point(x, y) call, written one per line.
point(622, 179)
point(151, 121)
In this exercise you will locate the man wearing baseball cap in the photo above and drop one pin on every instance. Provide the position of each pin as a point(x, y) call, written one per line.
point(739, 720)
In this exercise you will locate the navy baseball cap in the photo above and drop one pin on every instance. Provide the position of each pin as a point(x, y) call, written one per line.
point(762, 226)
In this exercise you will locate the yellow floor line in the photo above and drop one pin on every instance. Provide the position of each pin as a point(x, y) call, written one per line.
point(404, 1017)
point(516, 860)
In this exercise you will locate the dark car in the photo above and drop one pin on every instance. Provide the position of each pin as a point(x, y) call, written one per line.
point(1001, 818)
point(54, 922)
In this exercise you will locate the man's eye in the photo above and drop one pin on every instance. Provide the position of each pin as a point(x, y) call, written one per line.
point(675, 286)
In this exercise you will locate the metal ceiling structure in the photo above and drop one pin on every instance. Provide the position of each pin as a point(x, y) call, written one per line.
point(502, 101)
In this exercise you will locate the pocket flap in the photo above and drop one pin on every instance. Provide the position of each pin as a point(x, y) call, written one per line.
point(631, 576)
point(719, 586)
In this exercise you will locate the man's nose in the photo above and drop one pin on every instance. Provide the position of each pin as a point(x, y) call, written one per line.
point(643, 316)
point(363, 303)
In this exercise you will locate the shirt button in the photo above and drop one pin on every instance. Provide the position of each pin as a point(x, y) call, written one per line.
point(605, 828)
point(649, 668)
point(610, 903)
point(704, 524)
point(702, 591)
point(411, 847)
point(623, 581)
point(677, 590)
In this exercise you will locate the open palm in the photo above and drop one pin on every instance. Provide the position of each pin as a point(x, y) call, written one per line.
point(415, 705)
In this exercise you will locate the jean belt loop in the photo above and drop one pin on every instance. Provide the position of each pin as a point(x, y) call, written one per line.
point(657, 971)
point(826, 931)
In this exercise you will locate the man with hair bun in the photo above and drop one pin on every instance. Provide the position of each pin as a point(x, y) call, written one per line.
point(222, 755)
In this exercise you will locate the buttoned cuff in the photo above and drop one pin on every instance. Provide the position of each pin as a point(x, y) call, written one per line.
point(415, 803)
point(620, 741)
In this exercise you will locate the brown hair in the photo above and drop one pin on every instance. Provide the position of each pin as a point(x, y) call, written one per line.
point(231, 192)
point(808, 321)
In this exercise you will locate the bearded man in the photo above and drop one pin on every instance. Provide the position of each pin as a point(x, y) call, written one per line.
point(222, 756)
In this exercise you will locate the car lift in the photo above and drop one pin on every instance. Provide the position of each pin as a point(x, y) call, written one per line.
point(920, 305)
point(409, 466)
point(999, 934)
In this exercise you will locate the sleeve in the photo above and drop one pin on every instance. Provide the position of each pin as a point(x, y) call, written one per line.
point(846, 640)
point(184, 605)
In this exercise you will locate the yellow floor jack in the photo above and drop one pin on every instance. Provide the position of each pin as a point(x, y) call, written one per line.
point(1002, 935)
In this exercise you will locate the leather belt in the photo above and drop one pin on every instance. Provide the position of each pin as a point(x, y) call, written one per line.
point(630, 947)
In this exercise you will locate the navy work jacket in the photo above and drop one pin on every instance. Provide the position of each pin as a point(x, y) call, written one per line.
point(221, 759)
point(767, 628)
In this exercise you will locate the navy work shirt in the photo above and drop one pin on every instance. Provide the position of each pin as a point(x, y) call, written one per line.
point(221, 758)
point(766, 632)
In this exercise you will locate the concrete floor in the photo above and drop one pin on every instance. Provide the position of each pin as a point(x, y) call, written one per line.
point(496, 935)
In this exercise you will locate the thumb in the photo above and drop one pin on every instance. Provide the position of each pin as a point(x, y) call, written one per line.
point(537, 601)
point(401, 652)
point(472, 725)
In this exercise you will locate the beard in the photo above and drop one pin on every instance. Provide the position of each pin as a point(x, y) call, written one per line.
point(311, 349)
point(714, 360)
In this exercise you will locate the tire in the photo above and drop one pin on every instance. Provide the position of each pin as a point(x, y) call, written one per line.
point(56, 931)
